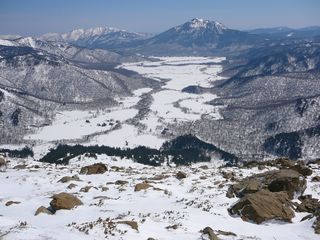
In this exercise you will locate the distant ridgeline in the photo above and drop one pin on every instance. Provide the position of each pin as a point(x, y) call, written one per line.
point(183, 150)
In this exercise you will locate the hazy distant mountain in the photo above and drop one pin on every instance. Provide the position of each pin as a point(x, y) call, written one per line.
point(99, 37)
point(285, 32)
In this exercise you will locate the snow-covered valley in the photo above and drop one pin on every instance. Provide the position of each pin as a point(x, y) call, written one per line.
point(128, 200)
point(112, 126)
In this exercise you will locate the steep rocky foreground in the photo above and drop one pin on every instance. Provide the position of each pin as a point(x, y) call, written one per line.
point(96, 197)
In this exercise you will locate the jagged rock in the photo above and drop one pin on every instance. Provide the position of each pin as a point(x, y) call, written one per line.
point(250, 185)
point(97, 168)
point(174, 226)
point(280, 163)
point(262, 206)
point(71, 185)
point(104, 189)
point(181, 175)
point(9, 203)
point(287, 180)
point(132, 224)
point(85, 189)
point(308, 204)
point(210, 233)
point(158, 177)
point(121, 182)
point(68, 179)
point(43, 209)
point(3, 164)
point(220, 232)
point(284, 163)
point(302, 169)
point(64, 201)
point(228, 175)
point(142, 186)
point(315, 179)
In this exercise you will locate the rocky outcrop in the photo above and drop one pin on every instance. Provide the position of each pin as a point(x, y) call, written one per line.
point(97, 168)
point(9, 203)
point(181, 175)
point(209, 232)
point(262, 206)
point(64, 201)
point(68, 179)
point(302, 169)
point(85, 189)
point(142, 186)
point(308, 204)
point(288, 180)
point(121, 182)
point(132, 224)
point(44, 210)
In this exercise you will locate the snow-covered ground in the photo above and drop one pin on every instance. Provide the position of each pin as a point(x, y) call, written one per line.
point(172, 210)
point(110, 126)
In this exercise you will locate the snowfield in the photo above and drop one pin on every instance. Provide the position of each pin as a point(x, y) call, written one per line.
point(111, 126)
point(172, 209)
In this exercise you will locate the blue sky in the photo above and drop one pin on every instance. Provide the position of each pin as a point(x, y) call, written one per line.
point(33, 17)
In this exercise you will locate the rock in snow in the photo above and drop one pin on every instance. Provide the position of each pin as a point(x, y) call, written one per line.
point(97, 168)
point(64, 201)
point(264, 205)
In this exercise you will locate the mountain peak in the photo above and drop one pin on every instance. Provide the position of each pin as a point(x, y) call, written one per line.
point(197, 24)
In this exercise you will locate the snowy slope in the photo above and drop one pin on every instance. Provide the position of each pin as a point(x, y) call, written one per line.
point(172, 209)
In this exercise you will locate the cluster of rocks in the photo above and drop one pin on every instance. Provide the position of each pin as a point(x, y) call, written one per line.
point(68, 201)
point(269, 195)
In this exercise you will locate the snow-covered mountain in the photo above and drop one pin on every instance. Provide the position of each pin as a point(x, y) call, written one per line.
point(72, 52)
point(196, 37)
point(195, 32)
point(37, 78)
point(98, 37)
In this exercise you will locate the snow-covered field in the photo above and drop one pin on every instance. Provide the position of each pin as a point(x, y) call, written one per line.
point(173, 209)
point(111, 127)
